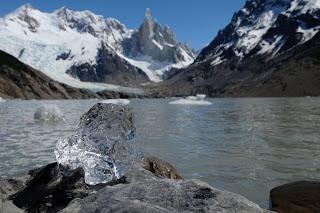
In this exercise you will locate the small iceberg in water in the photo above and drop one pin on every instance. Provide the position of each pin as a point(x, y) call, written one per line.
point(116, 101)
point(2, 100)
point(192, 100)
point(49, 113)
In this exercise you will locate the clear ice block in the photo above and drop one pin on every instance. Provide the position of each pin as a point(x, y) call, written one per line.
point(103, 144)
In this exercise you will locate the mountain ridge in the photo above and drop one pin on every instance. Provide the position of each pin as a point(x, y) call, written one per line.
point(55, 42)
point(241, 62)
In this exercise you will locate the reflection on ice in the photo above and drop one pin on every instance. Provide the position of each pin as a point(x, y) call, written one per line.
point(116, 101)
point(192, 100)
point(49, 113)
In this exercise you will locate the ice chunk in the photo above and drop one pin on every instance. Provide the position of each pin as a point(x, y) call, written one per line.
point(198, 97)
point(116, 101)
point(49, 112)
point(103, 145)
point(192, 100)
point(2, 100)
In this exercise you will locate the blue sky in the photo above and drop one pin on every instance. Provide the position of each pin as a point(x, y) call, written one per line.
point(194, 21)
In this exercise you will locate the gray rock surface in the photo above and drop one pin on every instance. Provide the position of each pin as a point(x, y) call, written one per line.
point(153, 194)
point(9, 187)
point(51, 188)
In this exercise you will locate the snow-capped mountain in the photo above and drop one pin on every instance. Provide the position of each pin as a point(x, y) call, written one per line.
point(154, 43)
point(270, 48)
point(69, 46)
point(265, 27)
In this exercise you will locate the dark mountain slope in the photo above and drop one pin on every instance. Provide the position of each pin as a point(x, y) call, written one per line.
point(18, 80)
point(295, 73)
point(270, 48)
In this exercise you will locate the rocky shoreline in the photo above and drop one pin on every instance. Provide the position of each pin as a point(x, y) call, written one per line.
point(149, 185)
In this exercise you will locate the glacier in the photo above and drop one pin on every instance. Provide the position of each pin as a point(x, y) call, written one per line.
point(54, 42)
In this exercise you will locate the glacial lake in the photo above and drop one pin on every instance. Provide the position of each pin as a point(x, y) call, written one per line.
point(244, 145)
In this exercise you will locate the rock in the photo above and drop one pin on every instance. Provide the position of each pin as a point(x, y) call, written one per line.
point(54, 188)
point(162, 195)
point(160, 168)
point(103, 144)
point(51, 188)
point(7, 188)
point(297, 197)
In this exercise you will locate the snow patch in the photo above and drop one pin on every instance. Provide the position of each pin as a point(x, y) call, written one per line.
point(308, 33)
point(304, 6)
point(216, 61)
point(155, 69)
point(157, 44)
point(266, 47)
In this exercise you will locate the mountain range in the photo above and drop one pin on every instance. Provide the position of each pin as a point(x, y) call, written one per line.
point(270, 48)
point(71, 46)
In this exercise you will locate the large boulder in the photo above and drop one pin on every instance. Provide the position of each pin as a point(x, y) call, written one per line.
point(54, 188)
point(50, 189)
point(162, 195)
point(297, 197)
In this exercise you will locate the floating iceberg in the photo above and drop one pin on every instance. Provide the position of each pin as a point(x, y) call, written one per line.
point(103, 145)
point(116, 101)
point(192, 100)
point(49, 113)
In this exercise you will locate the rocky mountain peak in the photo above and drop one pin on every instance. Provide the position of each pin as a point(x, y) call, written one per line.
point(264, 27)
point(26, 7)
point(157, 42)
point(26, 15)
point(63, 12)
point(148, 15)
